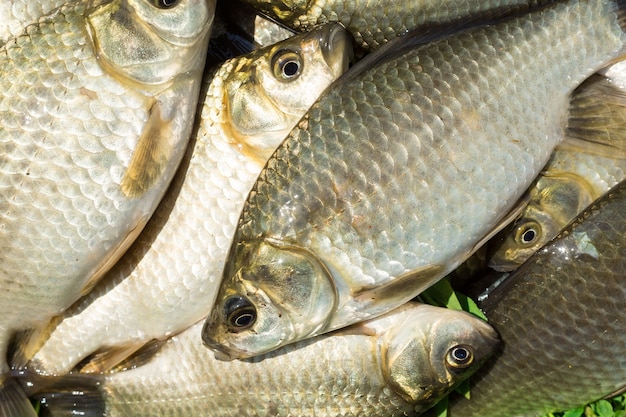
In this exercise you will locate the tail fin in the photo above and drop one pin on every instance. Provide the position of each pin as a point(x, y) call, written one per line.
point(13, 399)
point(65, 396)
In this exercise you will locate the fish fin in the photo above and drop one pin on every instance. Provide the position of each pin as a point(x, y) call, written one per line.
point(150, 156)
point(403, 287)
point(114, 256)
point(27, 343)
point(13, 399)
point(108, 359)
point(141, 356)
point(597, 117)
point(68, 395)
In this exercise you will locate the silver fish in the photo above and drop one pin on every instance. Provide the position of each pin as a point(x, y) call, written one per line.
point(576, 175)
point(163, 282)
point(90, 136)
point(395, 365)
point(401, 171)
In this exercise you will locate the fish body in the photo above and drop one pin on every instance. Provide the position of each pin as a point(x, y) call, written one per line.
point(17, 14)
point(577, 173)
point(164, 282)
point(395, 176)
point(90, 136)
point(395, 365)
point(561, 318)
point(375, 22)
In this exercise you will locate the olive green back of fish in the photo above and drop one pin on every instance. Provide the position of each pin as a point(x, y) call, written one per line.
point(561, 317)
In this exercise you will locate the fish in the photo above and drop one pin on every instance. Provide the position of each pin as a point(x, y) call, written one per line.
point(396, 365)
point(17, 14)
point(561, 319)
point(161, 285)
point(575, 175)
point(374, 23)
point(91, 134)
point(411, 161)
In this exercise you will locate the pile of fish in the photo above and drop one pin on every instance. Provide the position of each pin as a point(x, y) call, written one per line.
point(245, 226)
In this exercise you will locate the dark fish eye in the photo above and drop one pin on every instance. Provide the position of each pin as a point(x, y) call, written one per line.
point(239, 313)
point(528, 233)
point(165, 4)
point(287, 65)
point(459, 357)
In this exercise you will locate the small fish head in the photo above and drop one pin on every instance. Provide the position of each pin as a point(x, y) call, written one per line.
point(433, 351)
point(268, 92)
point(151, 41)
point(281, 295)
point(523, 238)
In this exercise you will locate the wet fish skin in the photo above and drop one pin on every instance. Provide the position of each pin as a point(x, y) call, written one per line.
point(395, 365)
point(350, 206)
point(89, 137)
point(163, 282)
point(578, 172)
point(561, 318)
point(17, 14)
point(374, 22)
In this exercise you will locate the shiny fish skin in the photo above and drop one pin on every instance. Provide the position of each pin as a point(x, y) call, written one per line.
point(375, 22)
point(576, 174)
point(90, 136)
point(394, 176)
point(395, 365)
point(17, 14)
point(162, 284)
point(561, 317)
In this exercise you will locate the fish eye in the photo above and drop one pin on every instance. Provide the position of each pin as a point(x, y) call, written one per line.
point(527, 234)
point(239, 312)
point(287, 65)
point(165, 4)
point(459, 357)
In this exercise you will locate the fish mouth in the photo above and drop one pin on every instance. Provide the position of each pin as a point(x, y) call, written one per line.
point(335, 41)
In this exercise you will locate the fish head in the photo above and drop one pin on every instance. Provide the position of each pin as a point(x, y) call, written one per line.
point(433, 350)
point(268, 92)
point(151, 42)
point(282, 294)
point(559, 200)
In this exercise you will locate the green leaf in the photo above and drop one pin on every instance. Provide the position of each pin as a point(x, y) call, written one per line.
point(577, 412)
point(463, 388)
point(441, 294)
point(603, 408)
point(441, 408)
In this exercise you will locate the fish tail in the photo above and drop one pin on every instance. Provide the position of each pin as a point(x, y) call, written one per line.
point(67, 395)
point(13, 399)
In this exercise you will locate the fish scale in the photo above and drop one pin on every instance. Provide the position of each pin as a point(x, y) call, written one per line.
point(396, 365)
point(162, 284)
point(431, 161)
point(79, 177)
point(561, 318)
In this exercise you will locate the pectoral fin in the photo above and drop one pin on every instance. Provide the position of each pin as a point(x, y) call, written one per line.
point(150, 157)
point(108, 359)
point(402, 288)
